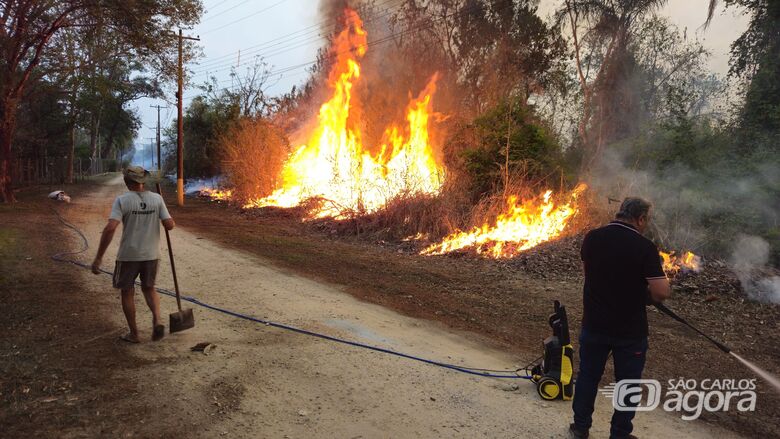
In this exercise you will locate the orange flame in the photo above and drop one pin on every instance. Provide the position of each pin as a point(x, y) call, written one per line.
point(672, 263)
point(521, 227)
point(216, 194)
point(335, 167)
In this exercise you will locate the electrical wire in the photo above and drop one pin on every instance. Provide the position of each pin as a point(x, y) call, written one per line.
point(383, 40)
point(311, 33)
point(226, 10)
point(210, 8)
point(374, 43)
point(487, 373)
point(244, 18)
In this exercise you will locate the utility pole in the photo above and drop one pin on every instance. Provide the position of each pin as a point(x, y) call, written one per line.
point(151, 151)
point(180, 123)
point(159, 155)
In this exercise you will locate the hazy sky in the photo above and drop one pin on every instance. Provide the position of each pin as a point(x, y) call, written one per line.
point(286, 34)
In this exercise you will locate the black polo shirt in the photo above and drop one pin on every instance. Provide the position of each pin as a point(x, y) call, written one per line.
point(618, 261)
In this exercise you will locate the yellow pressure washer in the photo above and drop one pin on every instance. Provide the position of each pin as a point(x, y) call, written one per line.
point(554, 375)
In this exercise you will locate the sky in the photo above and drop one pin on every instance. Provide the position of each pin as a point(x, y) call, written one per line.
point(286, 33)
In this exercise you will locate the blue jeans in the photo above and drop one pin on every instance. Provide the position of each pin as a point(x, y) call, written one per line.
point(629, 359)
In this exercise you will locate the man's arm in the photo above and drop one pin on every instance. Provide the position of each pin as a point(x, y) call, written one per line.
point(657, 282)
point(168, 224)
point(105, 240)
point(165, 216)
point(660, 289)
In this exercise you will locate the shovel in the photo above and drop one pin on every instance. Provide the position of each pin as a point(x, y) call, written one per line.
point(184, 319)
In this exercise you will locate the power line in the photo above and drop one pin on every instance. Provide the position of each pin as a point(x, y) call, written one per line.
point(220, 61)
point(217, 5)
point(244, 18)
point(278, 51)
point(369, 44)
point(305, 31)
point(226, 10)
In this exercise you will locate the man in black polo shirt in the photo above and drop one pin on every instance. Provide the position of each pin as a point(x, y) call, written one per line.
point(623, 273)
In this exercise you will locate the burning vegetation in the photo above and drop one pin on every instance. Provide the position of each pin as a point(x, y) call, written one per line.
point(346, 178)
point(335, 166)
point(523, 225)
point(448, 139)
point(686, 262)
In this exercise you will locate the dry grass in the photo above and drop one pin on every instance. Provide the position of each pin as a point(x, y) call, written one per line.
point(433, 217)
point(254, 154)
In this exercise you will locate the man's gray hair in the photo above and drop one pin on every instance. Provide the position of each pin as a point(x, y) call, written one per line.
point(633, 208)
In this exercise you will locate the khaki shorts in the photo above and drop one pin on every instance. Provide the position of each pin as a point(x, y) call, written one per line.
point(125, 273)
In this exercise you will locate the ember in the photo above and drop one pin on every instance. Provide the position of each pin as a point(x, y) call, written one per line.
point(216, 194)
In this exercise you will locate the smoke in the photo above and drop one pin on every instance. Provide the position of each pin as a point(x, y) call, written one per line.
point(705, 210)
point(749, 260)
point(700, 209)
point(332, 10)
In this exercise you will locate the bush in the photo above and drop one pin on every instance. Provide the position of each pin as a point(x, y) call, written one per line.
point(533, 152)
point(254, 152)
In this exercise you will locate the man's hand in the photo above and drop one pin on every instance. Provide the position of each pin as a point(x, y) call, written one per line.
point(105, 240)
point(96, 266)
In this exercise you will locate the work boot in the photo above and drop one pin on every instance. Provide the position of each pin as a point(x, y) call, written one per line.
point(577, 433)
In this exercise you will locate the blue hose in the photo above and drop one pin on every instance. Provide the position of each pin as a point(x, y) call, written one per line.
point(504, 374)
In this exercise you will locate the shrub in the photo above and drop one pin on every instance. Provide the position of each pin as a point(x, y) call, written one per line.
point(254, 152)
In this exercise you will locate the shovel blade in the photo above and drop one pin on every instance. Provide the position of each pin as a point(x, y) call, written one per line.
point(182, 320)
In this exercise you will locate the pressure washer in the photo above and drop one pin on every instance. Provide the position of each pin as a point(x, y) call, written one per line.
point(553, 376)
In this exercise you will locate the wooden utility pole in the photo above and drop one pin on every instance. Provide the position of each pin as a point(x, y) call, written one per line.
point(159, 155)
point(151, 152)
point(180, 122)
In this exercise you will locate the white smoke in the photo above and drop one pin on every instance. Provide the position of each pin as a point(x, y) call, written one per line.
point(192, 186)
point(749, 261)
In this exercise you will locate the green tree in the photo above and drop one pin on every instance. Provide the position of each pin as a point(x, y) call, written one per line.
point(510, 141)
point(28, 29)
point(755, 58)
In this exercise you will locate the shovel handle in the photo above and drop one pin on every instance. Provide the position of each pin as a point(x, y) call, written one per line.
point(170, 255)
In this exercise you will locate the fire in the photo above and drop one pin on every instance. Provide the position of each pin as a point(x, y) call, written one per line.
point(687, 262)
point(216, 194)
point(334, 166)
point(522, 226)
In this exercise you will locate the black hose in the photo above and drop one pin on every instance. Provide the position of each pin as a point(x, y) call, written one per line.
point(661, 307)
point(487, 373)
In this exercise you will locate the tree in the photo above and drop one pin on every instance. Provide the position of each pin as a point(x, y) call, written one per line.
point(506, 49)
point(27, 29)
point(610, 103)
point(508, 140)
point(755, 58)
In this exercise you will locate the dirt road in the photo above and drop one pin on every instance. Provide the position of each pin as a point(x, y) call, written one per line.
point(266, 382)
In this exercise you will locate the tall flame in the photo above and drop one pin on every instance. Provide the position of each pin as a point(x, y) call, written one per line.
point(521, 227)
point(334, 166)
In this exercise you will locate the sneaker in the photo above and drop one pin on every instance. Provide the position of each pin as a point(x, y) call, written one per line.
point(576, 433)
